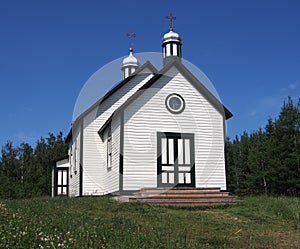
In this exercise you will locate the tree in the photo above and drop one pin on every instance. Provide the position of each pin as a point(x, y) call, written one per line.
point(30, 173)
point(46, 151)
point(286, 150)
point(11, 175)
point(267, 161)
point(26, 172)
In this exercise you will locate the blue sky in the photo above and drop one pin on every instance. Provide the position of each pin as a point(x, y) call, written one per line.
point(48, 49)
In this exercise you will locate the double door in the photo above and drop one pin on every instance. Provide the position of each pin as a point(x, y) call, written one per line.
point(61, 182)
point(175, 160)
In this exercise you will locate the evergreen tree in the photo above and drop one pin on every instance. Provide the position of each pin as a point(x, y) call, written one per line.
point(285, 153)
point(230, 166)
point(11, 173)
point(258, 163)
point(46, 151)
point(26, 172)
point(267, 161)
point(29, 171)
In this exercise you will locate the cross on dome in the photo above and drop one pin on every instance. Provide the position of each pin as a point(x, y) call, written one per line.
point(171, 43)
point(131, 35)
point(171, 17)
point(129, 63)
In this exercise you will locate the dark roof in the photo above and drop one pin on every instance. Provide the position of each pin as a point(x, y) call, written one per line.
point(147, 64)
point(190, 77)
point(60, 158)
point(69, 136)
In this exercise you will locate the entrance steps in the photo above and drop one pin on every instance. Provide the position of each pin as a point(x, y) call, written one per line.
point(183, 196)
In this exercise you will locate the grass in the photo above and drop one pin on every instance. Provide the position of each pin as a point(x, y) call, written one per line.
point(256, 222)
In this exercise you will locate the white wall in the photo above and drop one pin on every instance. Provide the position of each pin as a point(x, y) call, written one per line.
point(74, 156)
point(94, 157)
point(111, 175)
point(147, 115)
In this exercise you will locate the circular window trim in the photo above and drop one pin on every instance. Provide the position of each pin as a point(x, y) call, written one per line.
point(170, 109)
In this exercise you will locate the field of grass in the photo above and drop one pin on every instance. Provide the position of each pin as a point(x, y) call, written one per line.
point(256, 222)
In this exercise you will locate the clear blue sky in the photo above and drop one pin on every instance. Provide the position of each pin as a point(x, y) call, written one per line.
point(250, 50)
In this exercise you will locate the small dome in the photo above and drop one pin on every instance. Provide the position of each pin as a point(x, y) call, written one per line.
point(171, 36)
point(130, 60)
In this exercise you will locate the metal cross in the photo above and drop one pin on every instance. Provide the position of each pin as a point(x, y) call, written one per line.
point(131, 35)
point(171, 17)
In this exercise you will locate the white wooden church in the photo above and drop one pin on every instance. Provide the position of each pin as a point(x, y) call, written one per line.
point(155, 129)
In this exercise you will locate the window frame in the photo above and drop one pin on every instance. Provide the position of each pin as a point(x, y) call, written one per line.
point(109, 148)
point(168, 106)
point(75, 157)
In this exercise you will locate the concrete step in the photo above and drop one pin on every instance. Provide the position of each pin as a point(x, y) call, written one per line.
point(187, 203)
point(191, 204)
point(179, 190)
point(180, 196)
point(184, 200)
point(183, 196)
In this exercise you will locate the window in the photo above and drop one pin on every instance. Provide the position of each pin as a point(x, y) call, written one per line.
point(175, 103)
point(109, 148)
point(71, 159)
point(75, 157)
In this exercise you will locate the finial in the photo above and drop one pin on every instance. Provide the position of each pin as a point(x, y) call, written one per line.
point(171, 17)
point(131, 35)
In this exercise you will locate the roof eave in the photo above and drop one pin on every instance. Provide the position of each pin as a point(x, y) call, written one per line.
point(147, 64)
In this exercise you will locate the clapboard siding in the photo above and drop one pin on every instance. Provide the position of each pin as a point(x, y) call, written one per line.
point(94, 159)
point(74, 156)
point(111, 176)
point(147, 115)
point(93, 162)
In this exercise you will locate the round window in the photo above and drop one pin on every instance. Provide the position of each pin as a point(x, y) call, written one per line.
point(175, 103)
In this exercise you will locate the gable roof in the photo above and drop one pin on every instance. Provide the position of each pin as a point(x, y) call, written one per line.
point(189, 76)
point(146, 65)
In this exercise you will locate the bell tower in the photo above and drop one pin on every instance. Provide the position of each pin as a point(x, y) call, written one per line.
point(171, 43)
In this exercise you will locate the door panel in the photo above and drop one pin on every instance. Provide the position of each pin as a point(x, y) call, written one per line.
point(62, 185)
point(175, 161)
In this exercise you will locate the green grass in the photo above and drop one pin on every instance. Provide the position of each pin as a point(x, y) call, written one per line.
point(256, 222)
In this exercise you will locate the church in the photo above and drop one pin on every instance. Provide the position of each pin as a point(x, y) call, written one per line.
point(158, 129)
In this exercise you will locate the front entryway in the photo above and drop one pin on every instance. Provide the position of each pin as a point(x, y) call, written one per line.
point(61, 182)
point(175, 159)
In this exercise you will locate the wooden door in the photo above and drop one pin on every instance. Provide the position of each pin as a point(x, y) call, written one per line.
point(175, 160)
point(62, 183)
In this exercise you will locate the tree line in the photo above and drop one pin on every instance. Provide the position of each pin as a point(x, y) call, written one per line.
point(264, 162)
point(267, 162)
point(26, 171)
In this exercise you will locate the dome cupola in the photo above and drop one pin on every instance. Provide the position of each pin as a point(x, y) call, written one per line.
point(171, 43)
point(129, 63)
